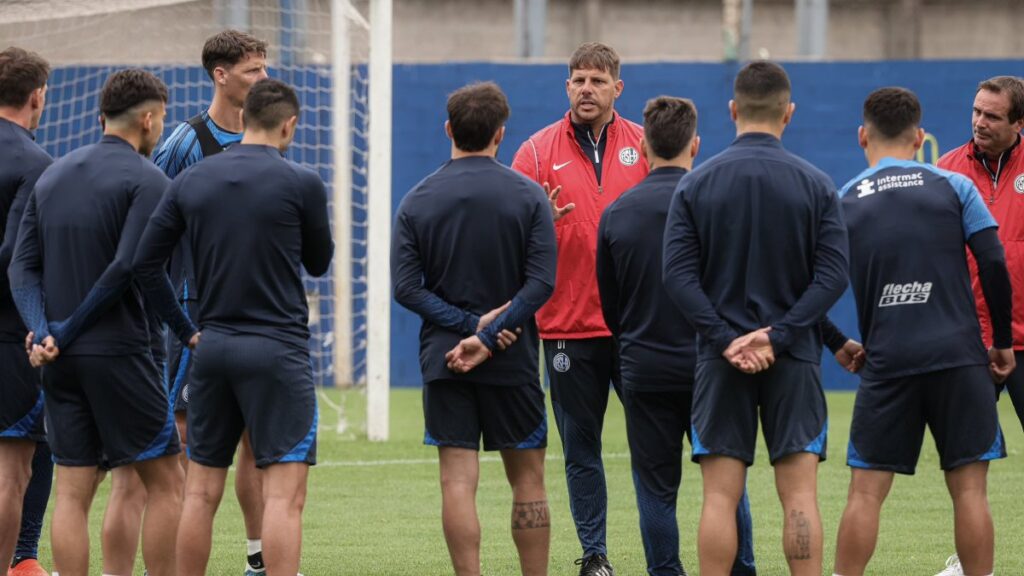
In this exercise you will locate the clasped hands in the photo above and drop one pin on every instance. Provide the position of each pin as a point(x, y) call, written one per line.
point(471, 352)
point(753, 353)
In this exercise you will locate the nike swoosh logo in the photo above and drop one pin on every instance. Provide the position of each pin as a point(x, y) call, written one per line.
point(558, 167)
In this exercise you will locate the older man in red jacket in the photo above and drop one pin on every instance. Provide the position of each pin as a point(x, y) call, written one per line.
point(994, 160)
point(590, 156)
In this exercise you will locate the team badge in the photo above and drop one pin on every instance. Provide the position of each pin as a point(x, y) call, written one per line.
point(1018, 184)
point(185, 393)
point(561, 362)
point(628, 156)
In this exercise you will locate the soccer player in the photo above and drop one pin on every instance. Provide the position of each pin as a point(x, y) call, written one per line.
point(908, 225)
point(23, 77)
point(754, 256)
point(104, 399)
point(994, 161)
point(234, 61)
point(656, 345)
point(590, 156)
point(253, 219)
point(467, 239)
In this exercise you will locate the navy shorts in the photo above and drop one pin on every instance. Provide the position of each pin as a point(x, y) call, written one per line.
point(21, 398)
point(252, 382)
point(458, 413)
point(107, 410)
point(958, 405)
point(788, 396)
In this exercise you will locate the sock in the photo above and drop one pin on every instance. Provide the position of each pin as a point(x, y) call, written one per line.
point(254, 548)
point(34, 508)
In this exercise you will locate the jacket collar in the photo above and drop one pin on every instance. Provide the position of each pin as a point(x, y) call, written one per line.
point(757, 139)
point(609, 130)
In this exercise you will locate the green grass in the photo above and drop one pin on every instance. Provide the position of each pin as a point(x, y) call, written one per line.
point(374, 508)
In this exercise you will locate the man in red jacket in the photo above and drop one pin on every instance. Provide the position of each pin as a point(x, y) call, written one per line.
point(590, 156)
point(994, 160)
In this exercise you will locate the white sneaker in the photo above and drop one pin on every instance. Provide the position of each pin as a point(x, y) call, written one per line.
point(953, 567)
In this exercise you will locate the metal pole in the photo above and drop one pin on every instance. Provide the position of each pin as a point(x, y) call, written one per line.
point(746, 28)
point(812, 28)
point(341, 120)
point(378, 298)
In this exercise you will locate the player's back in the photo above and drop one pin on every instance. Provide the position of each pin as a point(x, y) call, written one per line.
point(908, 224)
point(472, 221)
point(81, 204)
point(762, 215)
point(656, 342)
point(253, 220)
point(21, 164)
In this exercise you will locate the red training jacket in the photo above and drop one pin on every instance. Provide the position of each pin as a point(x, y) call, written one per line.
point(1005, 199)
point(554, 156)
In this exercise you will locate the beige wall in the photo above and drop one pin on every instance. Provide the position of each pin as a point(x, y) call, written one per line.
point(459, 30)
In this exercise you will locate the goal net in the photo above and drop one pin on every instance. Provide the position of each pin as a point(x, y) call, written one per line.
point(320, 47)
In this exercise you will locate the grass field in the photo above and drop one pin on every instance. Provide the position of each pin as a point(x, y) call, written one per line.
point(375, 508)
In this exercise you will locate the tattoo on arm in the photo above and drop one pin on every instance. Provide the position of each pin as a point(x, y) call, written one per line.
point(799, 547)
point(526, 515)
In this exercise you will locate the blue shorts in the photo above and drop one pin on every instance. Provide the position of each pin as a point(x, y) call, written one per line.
point(21, 398)
point(458, 413)
point(957, 404)
point(727, 402)
point(107, 410)
point(252, 382)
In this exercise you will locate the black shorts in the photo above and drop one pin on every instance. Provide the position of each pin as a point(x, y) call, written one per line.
point(457, 413)
point(110, 410)
point(788, 396)
point(21, 398)
point(958, 405)
point(252, 382)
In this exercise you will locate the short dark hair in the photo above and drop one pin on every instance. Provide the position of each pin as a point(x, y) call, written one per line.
point(230, 47)
point(21, 72)
point(126, 89)
point(475, 114)
point(892, 112)
point(595, 56)
point(761, 91)
point(669, 125)
point(269, 103)
point(1013, 87)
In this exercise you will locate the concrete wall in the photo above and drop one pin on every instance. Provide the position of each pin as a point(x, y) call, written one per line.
point(474, 30)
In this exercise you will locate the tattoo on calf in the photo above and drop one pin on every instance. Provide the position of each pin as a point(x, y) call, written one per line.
point(526, 515)
point(799, 545)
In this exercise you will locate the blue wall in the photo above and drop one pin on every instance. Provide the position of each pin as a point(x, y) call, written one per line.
point(828, 97)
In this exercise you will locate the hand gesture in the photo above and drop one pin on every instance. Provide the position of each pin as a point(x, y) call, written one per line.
point(1001, 363)
point(751, 353)
point(851, 356)
point(43, 354)
point(557, 212)
point(467, 354)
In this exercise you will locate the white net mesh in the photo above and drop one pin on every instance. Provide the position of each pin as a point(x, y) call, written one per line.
point(86, 40)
